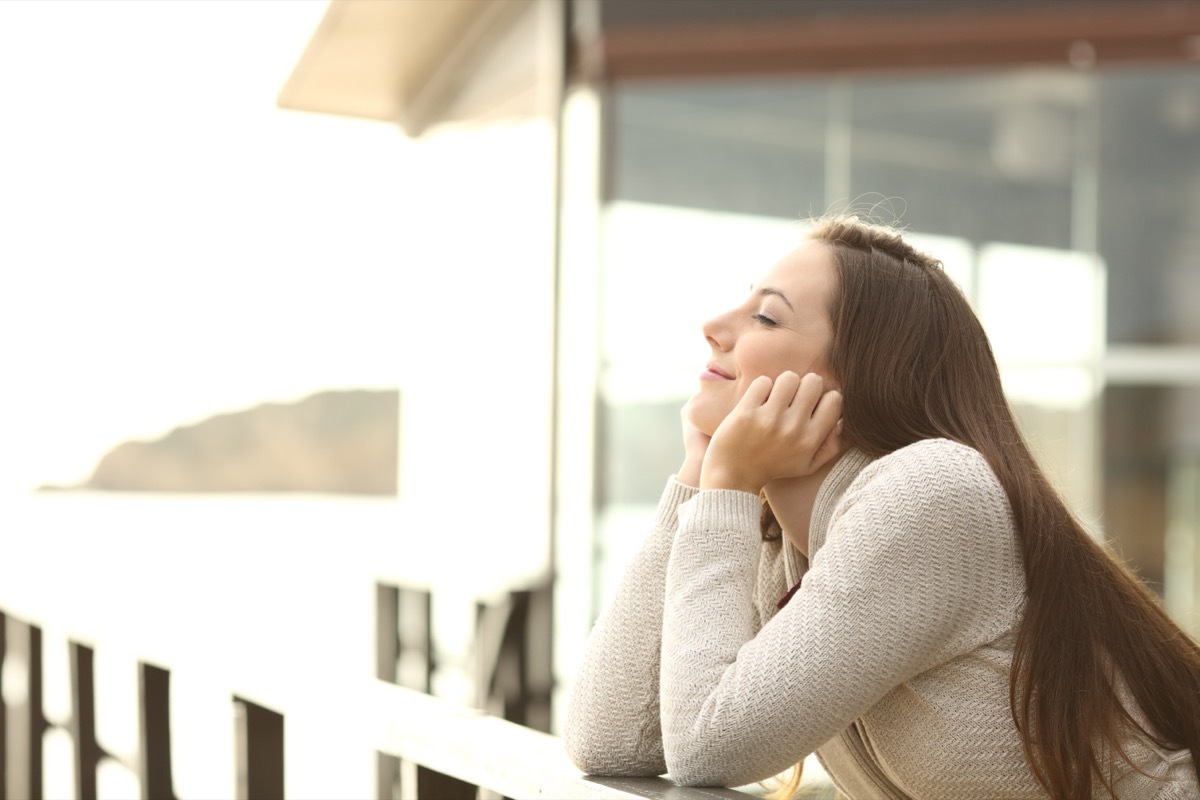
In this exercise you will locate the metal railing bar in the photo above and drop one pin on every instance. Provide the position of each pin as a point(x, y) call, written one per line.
point(516, 761)
point(663, 789)
point(83, 720)
point(154, 739)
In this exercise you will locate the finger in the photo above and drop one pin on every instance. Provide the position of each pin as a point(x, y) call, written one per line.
point(827, 410)
point(783, 390)
point(826, 424)
point(756, 393)
point(808, 394)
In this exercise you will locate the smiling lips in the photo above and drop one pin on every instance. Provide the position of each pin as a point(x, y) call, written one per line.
point(714, 373)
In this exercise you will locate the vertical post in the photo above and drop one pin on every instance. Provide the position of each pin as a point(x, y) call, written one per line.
point(580, 144)
point(387, 776)
point(558, 25)
point(514, 667)
point(258, 737)
point(415, 660)
point(83, 721)
point(839, 129)
point(443, 787)
point(3, 711)
point(538, 653)
point(404, 655)
point(1181, 578)
point(499, 627)
point(1085, 238)
point(154, 714)
point(23, 718)
point(387, 653)
point(387, 631)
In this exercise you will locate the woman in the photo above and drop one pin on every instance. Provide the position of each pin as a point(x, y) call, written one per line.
point(909, 599)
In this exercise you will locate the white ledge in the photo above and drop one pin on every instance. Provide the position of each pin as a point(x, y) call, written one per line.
point(516, 761)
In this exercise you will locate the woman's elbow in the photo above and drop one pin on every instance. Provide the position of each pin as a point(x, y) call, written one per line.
point(583, 752)
point(596, 754)
point(691, 769)
point(588, 745)
point(700, 758)
point(698, 775)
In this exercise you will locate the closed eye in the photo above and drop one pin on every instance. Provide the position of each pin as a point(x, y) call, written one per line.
point(764, 320)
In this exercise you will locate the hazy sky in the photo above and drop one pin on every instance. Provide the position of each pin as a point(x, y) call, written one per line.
point(171, 243)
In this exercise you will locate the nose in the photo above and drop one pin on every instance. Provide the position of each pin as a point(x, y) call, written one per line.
point(718, 332)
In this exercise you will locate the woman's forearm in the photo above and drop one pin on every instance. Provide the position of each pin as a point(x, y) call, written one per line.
point(613, 725)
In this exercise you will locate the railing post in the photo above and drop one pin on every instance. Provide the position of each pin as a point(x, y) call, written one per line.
point(437, 786)
point(415, 661)
point(404, 655)
point(3, 711)
point(24, 721)
point(387, 655)
point(387, 631)
point(258, 738)
point(83, 721)
point(154, 713)
point(539, 658)
point(514, 668)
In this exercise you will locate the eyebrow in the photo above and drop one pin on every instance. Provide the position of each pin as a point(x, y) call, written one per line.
point(767, 290)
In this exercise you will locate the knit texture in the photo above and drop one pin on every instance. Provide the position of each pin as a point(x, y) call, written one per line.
point(891, 661)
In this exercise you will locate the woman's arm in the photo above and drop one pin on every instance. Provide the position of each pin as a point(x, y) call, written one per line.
point(919, 566)
point(613, 723)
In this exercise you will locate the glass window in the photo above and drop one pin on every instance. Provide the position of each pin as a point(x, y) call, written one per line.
point(982, 157)
point(1152, 488)
point(664, 270)
point(1067, 204)
point(1149, 204)
point(752, 147)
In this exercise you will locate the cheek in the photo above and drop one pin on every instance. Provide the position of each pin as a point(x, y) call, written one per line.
point(774, 362)
point(766, 360)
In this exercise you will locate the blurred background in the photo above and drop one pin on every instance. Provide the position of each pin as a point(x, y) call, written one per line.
point(344, 337)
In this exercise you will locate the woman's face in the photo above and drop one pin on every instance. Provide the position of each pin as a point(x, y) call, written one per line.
point(783, 325)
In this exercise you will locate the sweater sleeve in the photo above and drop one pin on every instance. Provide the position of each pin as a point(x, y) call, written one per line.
point(917, 568)
point(612, 725)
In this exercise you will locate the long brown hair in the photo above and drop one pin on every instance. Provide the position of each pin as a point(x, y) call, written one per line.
point(914, 363)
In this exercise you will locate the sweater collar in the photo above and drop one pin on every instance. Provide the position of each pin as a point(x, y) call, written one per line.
point(836, 483)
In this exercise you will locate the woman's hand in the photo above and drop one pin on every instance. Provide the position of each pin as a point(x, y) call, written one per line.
point(784, 428)
point(695, 444)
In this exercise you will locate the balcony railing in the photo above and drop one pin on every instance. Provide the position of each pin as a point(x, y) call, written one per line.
point(460, 749)
point(237, 663)
point(426, 746)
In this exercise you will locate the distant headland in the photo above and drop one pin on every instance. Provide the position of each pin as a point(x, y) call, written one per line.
point(344, 442)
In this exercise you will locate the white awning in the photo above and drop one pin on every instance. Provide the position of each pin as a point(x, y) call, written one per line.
point(405, 61)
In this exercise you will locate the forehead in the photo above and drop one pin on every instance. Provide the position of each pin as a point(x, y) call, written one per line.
point(806, 275)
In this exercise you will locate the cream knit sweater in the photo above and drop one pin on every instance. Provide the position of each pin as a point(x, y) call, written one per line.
point(891, 662)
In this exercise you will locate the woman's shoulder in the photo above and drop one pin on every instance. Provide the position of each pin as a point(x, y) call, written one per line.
point(936, 472)
point(932, 460)
point(934, 452)
point(936, 505)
